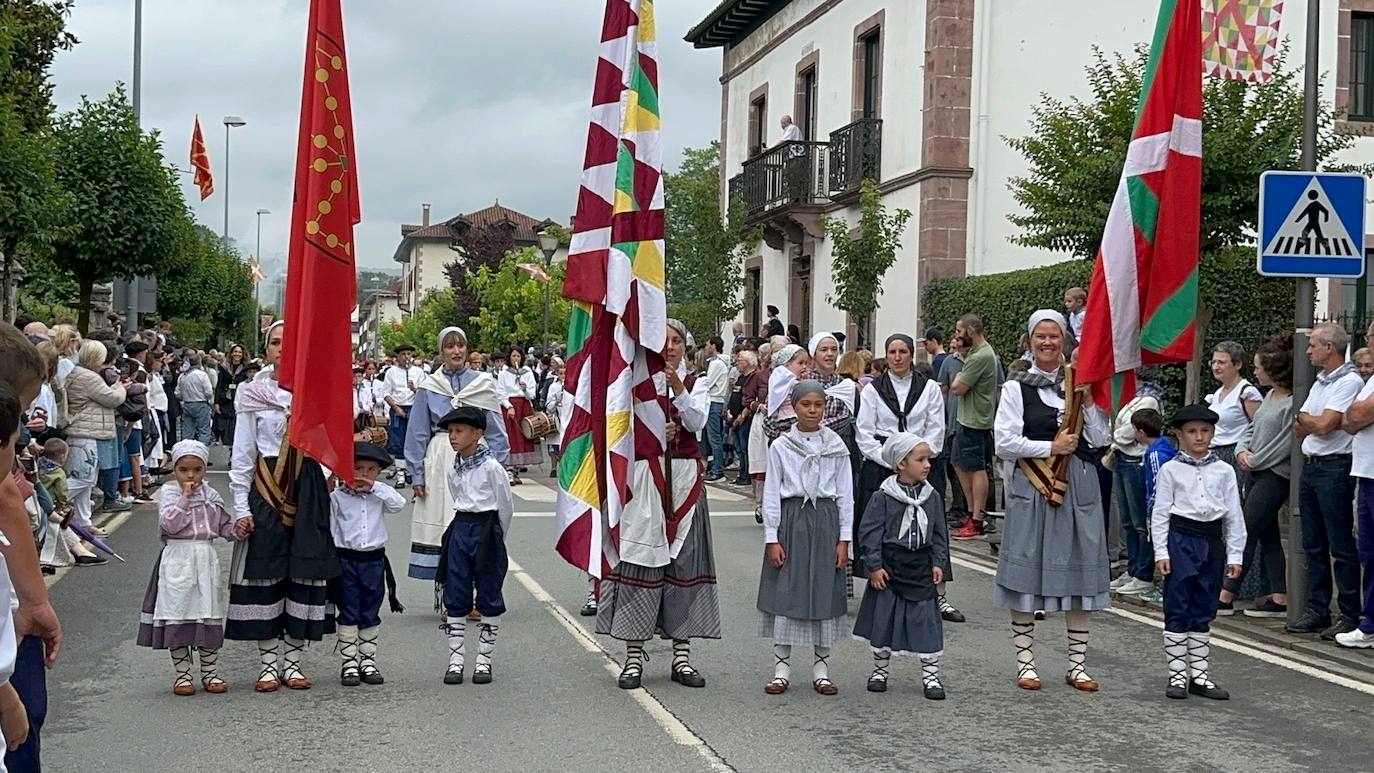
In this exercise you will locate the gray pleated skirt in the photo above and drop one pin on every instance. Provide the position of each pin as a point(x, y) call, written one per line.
point(677, 601)
point(1053, 558)
point(803, 602)
point(888, 621)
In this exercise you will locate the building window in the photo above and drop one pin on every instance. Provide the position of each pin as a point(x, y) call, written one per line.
point(1361, 67)
point(871, 67)
point(753, 298)
point(806, 103)
point(758, 124)
point(867, 99)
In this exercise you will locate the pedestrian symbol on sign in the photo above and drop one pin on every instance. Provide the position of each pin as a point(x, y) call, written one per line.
point(1309, 229)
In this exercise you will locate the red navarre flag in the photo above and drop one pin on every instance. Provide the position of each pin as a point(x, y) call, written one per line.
point(316, 363)
point(200, 162)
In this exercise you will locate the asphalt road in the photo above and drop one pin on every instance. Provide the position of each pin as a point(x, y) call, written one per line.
point(554, 704)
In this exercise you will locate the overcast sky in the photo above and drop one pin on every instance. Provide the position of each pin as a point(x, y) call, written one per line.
point(455, 102)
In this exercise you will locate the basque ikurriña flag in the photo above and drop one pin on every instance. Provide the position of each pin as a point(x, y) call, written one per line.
point(616, 278)
point(317, 346)
point(1144, 293)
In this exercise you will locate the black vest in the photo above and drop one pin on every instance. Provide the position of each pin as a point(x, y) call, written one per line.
point(1038, 421)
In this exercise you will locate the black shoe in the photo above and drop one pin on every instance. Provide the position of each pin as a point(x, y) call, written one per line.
point(1310, 622)
point(741, 482)
point(952, 615)
point(1039, 614)
point(588, 610)
point(373, 676)
point(689, 677)
point(877, 685)
point(628, 681)
point(1176, 692)
point(482, 676)
point(1225, 608)
point(715, 476)
point(934, 692)
point(1208, 691)
point(1267, 608)
point(758, 515)
point(91, 560)
point(350, 678)
point(1343, 624)
point(453, 677)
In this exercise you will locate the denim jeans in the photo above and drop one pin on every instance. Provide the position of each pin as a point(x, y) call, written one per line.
point(1128, 481)
point(108, 452)
point(195, 422)
point(1366, 551)
point(30, 680)
point(1326, 502)
point(741, 434)
point(715, 438)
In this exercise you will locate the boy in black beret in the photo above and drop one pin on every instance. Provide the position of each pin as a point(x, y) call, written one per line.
point(1197, 506)
point(472, 554)
point(359, 532)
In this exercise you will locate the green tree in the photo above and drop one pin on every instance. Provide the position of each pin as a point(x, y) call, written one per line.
point(1077, 147)
point(125, 204)
point(206, 280)
point(511, 302)
point(858, 262)
point(704, 251)
point(31, 34)
point(421, 328)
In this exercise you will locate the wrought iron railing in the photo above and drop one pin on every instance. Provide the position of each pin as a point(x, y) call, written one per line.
point(789, 173)
point(855, 155)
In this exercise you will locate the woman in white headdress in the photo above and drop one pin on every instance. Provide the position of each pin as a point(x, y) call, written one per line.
point(665, 581)
point(1053, 554)
point(427, 451)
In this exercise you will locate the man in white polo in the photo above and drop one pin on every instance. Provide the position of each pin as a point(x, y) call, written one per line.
point(1326, 499)
point(399, 385)
point(1359, 421)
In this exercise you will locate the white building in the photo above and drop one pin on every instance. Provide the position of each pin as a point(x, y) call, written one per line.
point(377, 311)
point(426, 249)
point(918, 95)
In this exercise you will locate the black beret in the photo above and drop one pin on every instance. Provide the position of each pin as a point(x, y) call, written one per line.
point(134, 347)
point(372, 452)
point(473, 417)
point(403, 348)
point(1194, 412)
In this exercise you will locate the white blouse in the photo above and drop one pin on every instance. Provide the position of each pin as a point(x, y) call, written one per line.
point(482, 489)
point(1231, 417)
point(256, 433)
point(875, 419)
point(1011, 445)
point(693, 405)
point(783, 481)
point(511, 385)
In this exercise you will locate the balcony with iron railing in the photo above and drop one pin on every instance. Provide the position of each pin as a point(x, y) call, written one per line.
point(799, 176)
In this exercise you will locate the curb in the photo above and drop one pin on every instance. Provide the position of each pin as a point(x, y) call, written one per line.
point(1357, 664)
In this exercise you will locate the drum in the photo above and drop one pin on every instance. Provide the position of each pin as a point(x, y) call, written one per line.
point(538, 425)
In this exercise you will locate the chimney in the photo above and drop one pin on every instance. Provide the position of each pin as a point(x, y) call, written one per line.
point(424, 215)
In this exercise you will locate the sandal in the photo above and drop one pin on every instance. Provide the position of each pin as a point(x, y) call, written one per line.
point(183, 686)
point(825, 687)
point(213, 684)
point(268, 681)
point(777, 686)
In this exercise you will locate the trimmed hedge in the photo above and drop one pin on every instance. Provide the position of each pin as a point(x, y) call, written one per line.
point(1246, 307)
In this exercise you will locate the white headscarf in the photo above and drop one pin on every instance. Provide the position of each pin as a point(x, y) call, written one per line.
point(1047, 315)
point(897, 446)
point(895, 449)
point(816, 339)
point(190, 448)
point(784, 355)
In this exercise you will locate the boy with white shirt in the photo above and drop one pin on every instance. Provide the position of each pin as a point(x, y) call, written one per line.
point(1197, 506)
point(359, 532)
point(399, 384)
point(473, 552)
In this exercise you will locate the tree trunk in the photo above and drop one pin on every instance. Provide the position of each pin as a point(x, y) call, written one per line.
point(1193, 384)
point(7, 289)
point(83, 305)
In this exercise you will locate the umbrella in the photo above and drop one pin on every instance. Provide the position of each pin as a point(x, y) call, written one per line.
point(81, 532)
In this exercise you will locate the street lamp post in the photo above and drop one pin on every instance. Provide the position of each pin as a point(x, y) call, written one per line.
point(548, 244)
point(230, 121)
point(257, 292)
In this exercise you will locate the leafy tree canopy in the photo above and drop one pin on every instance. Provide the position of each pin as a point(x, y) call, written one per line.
point(511, 302)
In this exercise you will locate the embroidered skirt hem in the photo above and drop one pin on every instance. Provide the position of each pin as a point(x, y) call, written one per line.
point(888, 620)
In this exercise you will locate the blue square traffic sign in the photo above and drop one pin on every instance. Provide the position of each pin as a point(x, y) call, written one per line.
point(1311, 224)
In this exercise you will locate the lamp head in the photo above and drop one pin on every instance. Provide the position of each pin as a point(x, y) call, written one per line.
point(234, 120)
point(548, 242)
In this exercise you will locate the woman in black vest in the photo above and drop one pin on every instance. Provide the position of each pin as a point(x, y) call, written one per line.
point(1054, 552)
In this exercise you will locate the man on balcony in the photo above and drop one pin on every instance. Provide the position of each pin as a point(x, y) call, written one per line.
point(795, 166)
point(790, 131)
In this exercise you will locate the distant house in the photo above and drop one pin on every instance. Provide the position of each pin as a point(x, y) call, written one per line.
point(426, 249)
point(379, 309)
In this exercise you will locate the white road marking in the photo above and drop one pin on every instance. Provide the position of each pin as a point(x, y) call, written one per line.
point(1224, 642)
point(679, 732)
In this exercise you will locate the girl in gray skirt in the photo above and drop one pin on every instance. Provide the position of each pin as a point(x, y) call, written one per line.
point(808, 517)
point(904, 546)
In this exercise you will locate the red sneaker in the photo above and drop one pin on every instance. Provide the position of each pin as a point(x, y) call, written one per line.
point(970, 530)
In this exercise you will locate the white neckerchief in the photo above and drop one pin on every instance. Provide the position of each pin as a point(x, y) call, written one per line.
point(914, 509)
point(811, 454)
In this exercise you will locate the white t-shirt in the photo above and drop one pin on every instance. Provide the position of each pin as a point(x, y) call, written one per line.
point(1231, 417)
point(1362, 445)
point(1330, 395)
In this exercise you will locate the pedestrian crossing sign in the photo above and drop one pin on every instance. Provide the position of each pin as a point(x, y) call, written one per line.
point(1311, 224)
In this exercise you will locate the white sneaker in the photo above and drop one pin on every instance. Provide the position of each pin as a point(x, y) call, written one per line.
point(1356, 638)
point(1121, 579)
point(1134, 588)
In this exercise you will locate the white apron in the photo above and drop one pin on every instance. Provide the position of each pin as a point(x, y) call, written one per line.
point(188, 582)
point(643, 530)
point(431, 515)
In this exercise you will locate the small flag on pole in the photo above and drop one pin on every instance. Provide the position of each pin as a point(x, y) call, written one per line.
point(255, 270)
point(200, 163)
